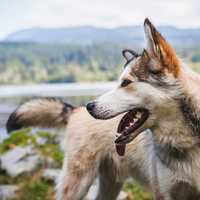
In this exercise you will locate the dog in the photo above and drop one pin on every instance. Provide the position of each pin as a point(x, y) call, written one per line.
point(156, 92)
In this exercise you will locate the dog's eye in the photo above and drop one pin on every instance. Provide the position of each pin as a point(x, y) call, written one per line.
point(154, 71)
point(126, 82)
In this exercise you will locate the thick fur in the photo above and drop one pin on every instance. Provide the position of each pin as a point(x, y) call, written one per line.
point(89, 149)
point(165, 160)
point(43, 112)
point(161, 83)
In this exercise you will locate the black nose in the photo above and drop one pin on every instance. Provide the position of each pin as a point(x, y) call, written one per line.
point(90, 106)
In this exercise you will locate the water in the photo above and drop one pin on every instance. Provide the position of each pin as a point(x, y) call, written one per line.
point(75, 93)
point(58, 90)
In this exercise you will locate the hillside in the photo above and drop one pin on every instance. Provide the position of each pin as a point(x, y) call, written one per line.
point(87, 35)
point(51, 63)
point(85, 53)
point(42, 63)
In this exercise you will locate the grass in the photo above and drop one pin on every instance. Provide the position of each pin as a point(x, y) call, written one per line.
point(136, 192)
point(18, 138)
point(32, 186)
point(36, 190)
point(50, 148)
point(53, 151)
point(24, 138)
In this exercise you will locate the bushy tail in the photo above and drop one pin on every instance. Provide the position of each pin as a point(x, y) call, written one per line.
point(42, 112)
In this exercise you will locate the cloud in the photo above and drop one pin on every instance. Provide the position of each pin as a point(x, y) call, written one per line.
point(16, 15)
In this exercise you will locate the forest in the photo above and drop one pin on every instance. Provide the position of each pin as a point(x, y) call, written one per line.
point(54, 63)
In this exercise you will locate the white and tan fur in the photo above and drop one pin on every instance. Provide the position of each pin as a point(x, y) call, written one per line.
point(166, 160)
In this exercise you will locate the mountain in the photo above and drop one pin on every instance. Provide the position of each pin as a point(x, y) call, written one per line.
point(85, 35)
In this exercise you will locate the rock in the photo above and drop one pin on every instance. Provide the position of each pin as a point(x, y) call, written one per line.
point(51, 174)
point(50, 162)
point(122, 196)
point(40, 140)
point(8, 191)
point(20, 160)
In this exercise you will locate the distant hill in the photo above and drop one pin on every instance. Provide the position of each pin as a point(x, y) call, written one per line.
point(87, 35)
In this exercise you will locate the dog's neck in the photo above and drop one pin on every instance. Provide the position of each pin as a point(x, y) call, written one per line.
point(181, 117)
point(172, 129)
point(178, 130)
point(174, 141)
point(190, 102)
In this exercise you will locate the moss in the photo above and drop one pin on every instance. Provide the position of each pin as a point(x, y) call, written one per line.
point(17, 138)
point(47, 135)
point(36, 190)
point(136, 192)
point(53, 151)
point(51, 148)
point(32, 186)
point(25, 137)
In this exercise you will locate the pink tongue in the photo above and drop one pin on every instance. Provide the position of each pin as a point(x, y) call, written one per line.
point(120, 148)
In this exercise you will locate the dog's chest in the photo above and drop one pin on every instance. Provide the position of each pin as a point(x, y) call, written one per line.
point(184, 172)
point(184, 191)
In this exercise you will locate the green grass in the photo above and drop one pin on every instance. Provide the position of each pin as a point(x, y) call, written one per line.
point(135, 192)
point(35, 190)
point(53, 151)
point(50, 148)
point(24, 138)
point(46, 135)
point(17, 138)
point(32, 186)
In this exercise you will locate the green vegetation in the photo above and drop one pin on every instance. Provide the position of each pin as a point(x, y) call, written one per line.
point(135, 192)
point(24, 137)
point(36, 63)
point(50, 148)
point(37, 190)
point(32, 185)
point(50, 63)
point(18, 138)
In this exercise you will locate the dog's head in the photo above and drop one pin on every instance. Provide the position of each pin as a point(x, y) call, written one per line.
point(147, 86)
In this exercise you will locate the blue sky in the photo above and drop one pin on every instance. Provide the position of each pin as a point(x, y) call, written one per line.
point(20, 14)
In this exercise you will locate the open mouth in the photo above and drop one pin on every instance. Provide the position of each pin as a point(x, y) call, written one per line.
point(129, 123)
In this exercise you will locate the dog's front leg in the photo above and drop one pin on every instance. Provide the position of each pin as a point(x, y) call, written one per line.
point(109, 187)
point(156, 189)
point(75, 179)
point(155, 180)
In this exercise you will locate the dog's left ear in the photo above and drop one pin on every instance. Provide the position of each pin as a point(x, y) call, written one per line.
point(129, 54)
point(159, 48)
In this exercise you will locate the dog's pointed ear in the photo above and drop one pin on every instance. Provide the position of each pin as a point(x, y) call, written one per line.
point(129, 54)
point(158, 47)
point(154, 39)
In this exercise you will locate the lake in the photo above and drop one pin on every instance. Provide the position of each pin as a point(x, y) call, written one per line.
point(75, 93)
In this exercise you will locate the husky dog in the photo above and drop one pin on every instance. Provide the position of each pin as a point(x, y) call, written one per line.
point(155, 91)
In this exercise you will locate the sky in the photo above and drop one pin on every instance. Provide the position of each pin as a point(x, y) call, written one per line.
point(16, 15)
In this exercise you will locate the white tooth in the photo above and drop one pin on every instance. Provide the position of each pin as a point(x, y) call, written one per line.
point(138, 115)
point(117, 134)
point(131, 124)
